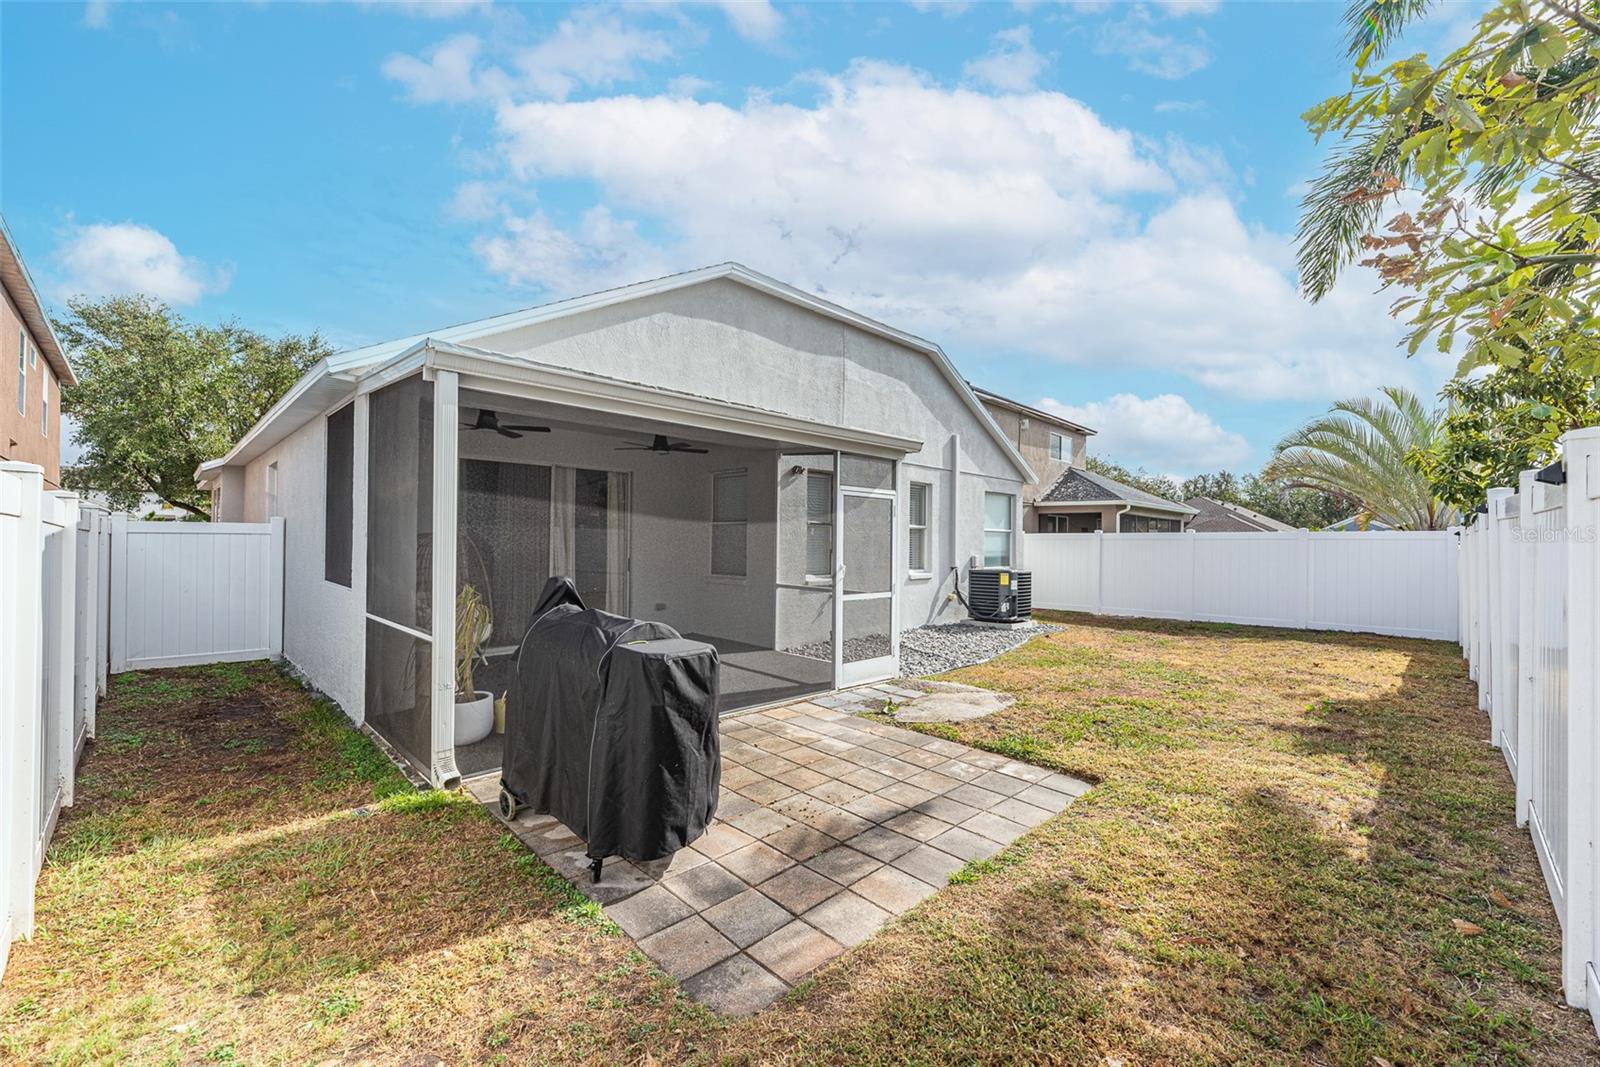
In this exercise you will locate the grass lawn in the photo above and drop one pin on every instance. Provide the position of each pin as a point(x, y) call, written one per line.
point(1285, 829)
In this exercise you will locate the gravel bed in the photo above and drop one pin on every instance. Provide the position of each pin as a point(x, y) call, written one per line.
point(933, 649)
point(936, 649)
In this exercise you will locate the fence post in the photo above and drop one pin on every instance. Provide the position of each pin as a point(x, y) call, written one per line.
point(1099, 572)
point(1303, 614)
point(91, 516)
point(119, 593)
point(1527, 550)
point(1494, 523)
point(1582, 452)
point(24, 680)
point(12, 562)
point(64, 672)
point(275, 608)
point(102, 635)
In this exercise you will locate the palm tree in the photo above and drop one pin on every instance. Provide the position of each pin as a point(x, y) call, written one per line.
point(1360, 451)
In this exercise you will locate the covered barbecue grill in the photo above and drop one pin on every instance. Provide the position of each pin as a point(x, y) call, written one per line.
point(611, 726)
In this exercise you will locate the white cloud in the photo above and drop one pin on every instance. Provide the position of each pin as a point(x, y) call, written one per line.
point(1011, 64)
point(105, 259)
point(1013, 223)
point(97, 14)
point(687, 85)
point(948, 8)
point(1161, 433)
point(1189, 7)
point(1137, 39)
point(427, 9)
point(474, 201)
point(754, 20)
point(1170, 107)
point(591, 48)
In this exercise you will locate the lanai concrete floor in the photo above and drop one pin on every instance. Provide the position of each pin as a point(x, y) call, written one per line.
point(828, 826)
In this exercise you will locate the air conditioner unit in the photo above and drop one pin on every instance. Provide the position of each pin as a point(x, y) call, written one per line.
point(999, 594)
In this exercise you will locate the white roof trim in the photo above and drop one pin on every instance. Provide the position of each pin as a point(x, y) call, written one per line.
point(357, 363)
point(1044, 505)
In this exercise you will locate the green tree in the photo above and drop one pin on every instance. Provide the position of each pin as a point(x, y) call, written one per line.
point(157, 396)
point(1361, 451)
point(1311, 509)
point(1503, 423)
point(1495, 147)
point(1155, 484)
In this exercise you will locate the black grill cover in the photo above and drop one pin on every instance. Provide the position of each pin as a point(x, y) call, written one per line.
point(611, 726)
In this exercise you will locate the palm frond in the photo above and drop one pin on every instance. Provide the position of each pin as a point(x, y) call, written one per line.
point(1376, 24)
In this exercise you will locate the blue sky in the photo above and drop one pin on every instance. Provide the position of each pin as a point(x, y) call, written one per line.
point(1090, 206)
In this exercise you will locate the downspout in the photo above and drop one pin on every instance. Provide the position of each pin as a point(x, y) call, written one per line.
point(1116, 520)
point(955, 518)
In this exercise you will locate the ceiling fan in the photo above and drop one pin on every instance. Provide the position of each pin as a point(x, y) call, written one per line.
point(488, 420)
point(662, 447)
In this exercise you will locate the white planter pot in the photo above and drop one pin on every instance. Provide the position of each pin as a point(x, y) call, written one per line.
point(474, 718)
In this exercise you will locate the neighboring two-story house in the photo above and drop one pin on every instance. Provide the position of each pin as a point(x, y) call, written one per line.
point(32, 367)
point(1067, 497)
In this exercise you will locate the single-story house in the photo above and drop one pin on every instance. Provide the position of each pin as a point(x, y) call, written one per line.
point(754, 465)
point(1219, 516)
point(1083, 501)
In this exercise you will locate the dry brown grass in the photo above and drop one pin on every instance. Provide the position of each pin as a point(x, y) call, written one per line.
point(1284, 827)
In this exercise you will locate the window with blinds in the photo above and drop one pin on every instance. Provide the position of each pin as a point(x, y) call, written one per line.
point(917, 548)
point(730, 515)
point(819, 525)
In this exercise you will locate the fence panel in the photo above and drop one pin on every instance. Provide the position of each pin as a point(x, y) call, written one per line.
point(1391, 583)
point(185, 593)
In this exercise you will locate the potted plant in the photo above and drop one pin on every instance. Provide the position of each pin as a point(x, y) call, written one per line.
point(474, 708)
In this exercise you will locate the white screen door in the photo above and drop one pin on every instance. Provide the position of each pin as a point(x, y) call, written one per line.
point(866, 631)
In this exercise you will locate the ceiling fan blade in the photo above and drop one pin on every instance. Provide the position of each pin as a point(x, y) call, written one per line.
point(634, 448)
point(528, 429)
point(503, 432)
point(686, 448)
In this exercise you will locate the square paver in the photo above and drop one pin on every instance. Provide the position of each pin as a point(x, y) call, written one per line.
point(930, 864)
point(720, 839)
point(687, 948)
point(766, 791)
point(917, 825)
point(800, 842)
point(1044, 797)
point(648, 911)
point(893, 889)
point(882, 843)
point(757, 862)
point(933, 781)
point(903, 793)
point(801, 777)
point(959, 768)
point(995, 828)
point(951, 811)
point(847, 918)
point(966, 844)
point(836, 792)
point(799, 889)
point(761, 822)
point(1019, 812)
point(875, 808)
point(701, 887)
point(795, 951)
point(843, 864)
point(736, 986)
point(1003, 784)
point(975, 796)
point(866, 778)
point(747, 918)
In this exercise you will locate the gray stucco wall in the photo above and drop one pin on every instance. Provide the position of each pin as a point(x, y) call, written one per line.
point(324, 624)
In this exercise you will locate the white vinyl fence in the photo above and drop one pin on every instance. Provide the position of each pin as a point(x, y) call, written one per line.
point(1530, 595)
point(84, 593)
point(52, 654)
point(195, 592)
point(1400, 583)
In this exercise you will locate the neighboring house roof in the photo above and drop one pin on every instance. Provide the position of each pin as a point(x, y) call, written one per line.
point(1032, 412)
point(1353, 522)
point(1217, 516)
point(19, 283)
point(1077, 486)
point(347, 367)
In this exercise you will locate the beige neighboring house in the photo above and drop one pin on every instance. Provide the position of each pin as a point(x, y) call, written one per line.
point(32, 366)
point(1067, 497)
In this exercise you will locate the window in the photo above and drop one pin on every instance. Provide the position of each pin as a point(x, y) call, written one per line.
point(44, 404)
point(997, 509)
point(917, 550)
point(22, 372)
point(819, 526)
point(272, 490)
point(33, 356)
point(1146, 524)
point(339, 513)
point(1059, 449)
point(729, 518)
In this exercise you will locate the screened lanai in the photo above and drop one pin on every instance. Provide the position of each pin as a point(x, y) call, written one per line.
point(778, 552)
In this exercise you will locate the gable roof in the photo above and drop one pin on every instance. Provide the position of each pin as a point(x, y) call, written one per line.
point(350, 366)
point(19, 283)
point(1032, 412)
point(1077, 486)
point(1217, 516)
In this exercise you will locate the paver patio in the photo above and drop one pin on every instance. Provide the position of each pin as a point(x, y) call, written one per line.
point(828, 826)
